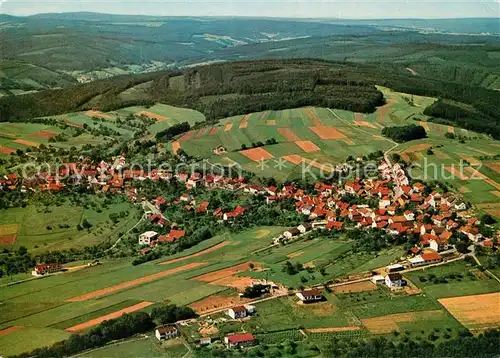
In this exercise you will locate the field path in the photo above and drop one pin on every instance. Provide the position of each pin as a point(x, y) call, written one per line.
point(109, 316)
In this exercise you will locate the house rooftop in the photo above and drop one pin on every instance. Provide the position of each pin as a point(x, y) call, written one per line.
point(240, 338)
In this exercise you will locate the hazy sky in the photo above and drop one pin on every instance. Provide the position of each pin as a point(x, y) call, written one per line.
point(279, 8)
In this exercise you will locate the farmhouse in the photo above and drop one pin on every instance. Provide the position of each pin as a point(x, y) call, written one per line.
point(425, 259)
point(303, 228)
point(378, 279)
point(237, 312)
point(166, 332)
point(146, 237)
point(291, 233)
point(394, 280)
point(239, 339)
point(43, 269)
point(310, 296)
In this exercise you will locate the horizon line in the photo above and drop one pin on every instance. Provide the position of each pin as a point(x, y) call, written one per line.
point(253, 17)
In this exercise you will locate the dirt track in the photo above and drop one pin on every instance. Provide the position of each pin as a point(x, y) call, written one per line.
point(133, 283)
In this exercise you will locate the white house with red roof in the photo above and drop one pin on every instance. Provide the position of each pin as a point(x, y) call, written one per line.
point(239, 339)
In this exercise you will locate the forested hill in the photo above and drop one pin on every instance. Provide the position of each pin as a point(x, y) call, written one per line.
point(227, 89)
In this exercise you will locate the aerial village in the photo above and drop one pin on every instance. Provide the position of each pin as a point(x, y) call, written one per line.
point(403, 209)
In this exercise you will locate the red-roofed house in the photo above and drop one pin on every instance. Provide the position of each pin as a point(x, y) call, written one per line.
point(239, 339)
point(43, 269)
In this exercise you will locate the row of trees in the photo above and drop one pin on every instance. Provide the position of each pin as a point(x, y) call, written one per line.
point(123, 327)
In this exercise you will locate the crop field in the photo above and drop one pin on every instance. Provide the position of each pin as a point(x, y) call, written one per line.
point(56, 226)
point(316, 135)
point(476, 312)
point(15, 136)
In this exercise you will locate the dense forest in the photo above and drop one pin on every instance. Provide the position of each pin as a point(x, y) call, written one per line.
point(227, 89)
point(404, 133)
point(453, 113)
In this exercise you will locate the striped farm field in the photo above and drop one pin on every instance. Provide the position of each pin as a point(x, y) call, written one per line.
point(213, 131)
point(257, 154)
point(308, 146)
point(389, 323)
point(6, 150)
point(228, 127)
point(148, 114)
point(136, 282)
point(288, 134)
point(244, 122)
point(325, 132)
point(187, 135)
point(27, 143)
point(113, 315)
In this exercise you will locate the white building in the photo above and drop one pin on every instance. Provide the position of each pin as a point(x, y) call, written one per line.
point(146, 237)
point(166, 332)
point(394, 280)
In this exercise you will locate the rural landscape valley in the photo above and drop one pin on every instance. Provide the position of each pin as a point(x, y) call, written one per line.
point(225, 186)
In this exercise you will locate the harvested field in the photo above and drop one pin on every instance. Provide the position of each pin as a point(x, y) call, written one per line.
point(271, 122)
point(213, 131)
point(495, 166)
point(364, 124)
point(441, 155)
point(389, 323)
point(73, 123)
point(187, 135)
point(456, 173)
point(6, 150)
point(176, 146)
point(98, 114)
point(294, 159)
point(213, 303)
point(334, 329)
point(475, 312)
point(418, 148)
point(425, 125)
point(356, 287)
point(325, 132)
point(307, 146)
point(228, 127)
point(9, 229)
point(230, 271)
point(43, 134)
point(491, 208)
point(27, 143)
point(158, 117)
point(405, 157)
point(256, 154)
point(239, 283)
point(94, 322)
point(288, 134)
point(203, 252)
point(201, 132)
point(136, 282)
point(8, 239)
point(470, 159)
point(10, 329)
point(244, 122)
point(310, 113)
